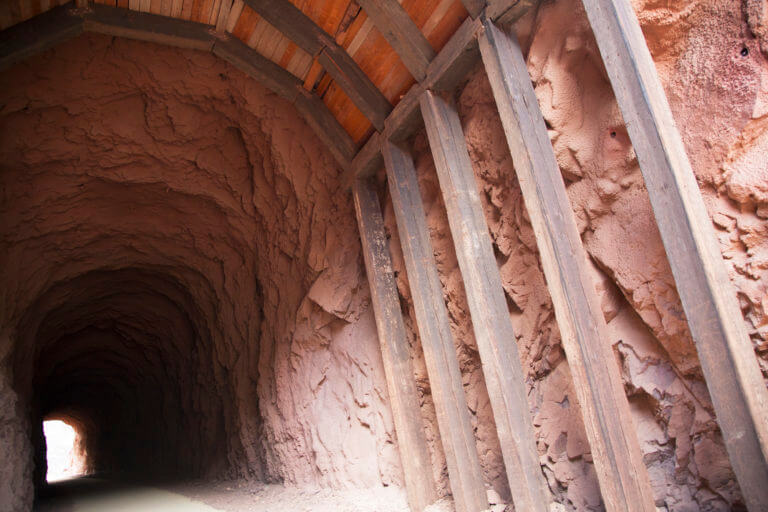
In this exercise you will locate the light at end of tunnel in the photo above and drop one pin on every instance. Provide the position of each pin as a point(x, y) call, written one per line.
point(65, 458)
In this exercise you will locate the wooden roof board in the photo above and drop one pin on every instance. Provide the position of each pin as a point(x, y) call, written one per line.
point(342, 19)
point(245, 24)
point(326, 14)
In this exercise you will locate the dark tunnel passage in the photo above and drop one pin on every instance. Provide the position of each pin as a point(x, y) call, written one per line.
point(158, 236)
point(125, 356)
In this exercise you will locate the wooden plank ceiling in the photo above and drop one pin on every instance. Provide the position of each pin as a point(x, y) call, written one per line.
point(342, 19)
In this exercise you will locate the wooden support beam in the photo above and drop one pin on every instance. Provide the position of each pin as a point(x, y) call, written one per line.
point(119, 22)
point(355, 84)
point(252, 63)
point(456, 59)
point(402, 34)
point(504, 376)
point(453, 421)
point(38, 34)
point(725, 350)
point(403, 395)
point(296, 26)
point(504, 12)
point(368, 160)
point(474, 7)
point(326, 126)
point(612, 436)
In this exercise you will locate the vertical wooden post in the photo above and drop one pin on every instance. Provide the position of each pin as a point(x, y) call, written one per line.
point(453, 420)
point(496, 342)
point(623, 479)
point(725, 350)
point(403, 395)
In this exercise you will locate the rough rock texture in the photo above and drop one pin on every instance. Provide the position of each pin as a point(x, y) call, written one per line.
point(708, 53)
point(180, 277)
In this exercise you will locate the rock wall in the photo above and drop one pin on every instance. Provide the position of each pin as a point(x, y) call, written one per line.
point(711, 58)
point(181, 274)
point(181, 277)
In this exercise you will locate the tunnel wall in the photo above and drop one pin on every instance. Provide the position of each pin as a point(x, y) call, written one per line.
point(718, 94)
point(181, 277)
point(237, 225)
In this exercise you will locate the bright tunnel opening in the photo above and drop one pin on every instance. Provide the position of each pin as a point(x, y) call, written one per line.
point(64, 456)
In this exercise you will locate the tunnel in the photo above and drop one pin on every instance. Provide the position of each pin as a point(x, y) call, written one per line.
point(144, 217)
point(238, 260)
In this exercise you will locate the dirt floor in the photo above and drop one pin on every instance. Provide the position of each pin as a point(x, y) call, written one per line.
point(98, 495)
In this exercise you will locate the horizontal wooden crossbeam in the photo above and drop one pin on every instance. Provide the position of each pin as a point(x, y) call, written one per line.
point(299, 28)
point(39, 34)
point(445, 71)
point(401, 33)
point(63, 22)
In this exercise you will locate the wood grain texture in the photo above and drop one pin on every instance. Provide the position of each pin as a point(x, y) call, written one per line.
point(456, 434)
point(402, 34)
point(299, 28)
point(709, 299)
point(474, 7)
point(496, 342)
point(357, 86)
point(38, 34)
point(368, 160)
point(148, 27)
point(326, 127)
point(257, 66)
point(612, 435)
point(395, 351)
point(456, 58)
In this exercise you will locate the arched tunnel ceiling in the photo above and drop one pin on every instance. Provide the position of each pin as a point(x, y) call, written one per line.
point(334, 49)
point(157, 206)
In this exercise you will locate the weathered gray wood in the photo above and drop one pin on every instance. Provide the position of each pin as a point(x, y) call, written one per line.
point(405, 118)
point(120, 22)
point(401, 33)
point(403, 395)
point(453, 420)
point(508, 11)
point(725, 350)
point(456, 59)
point(474, 7)
point(355, 84)
point(368, 160)
point(292, 23)
point(612, 436)
point(38, 34)
point(251, 62)
point(296, 26)
point(326, 127)
point(504, 376)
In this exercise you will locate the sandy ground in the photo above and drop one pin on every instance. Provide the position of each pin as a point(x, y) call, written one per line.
point(258, 497)
point(99, 495)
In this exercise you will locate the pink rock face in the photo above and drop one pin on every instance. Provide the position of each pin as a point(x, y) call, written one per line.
point(181, 277)
point(176, 248)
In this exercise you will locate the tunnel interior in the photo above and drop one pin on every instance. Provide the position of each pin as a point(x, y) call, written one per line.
point(182, 281)
point(150, 196)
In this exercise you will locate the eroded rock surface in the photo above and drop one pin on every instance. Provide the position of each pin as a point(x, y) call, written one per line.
point(180, 264)
point(181, 277)
point(709, 57)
